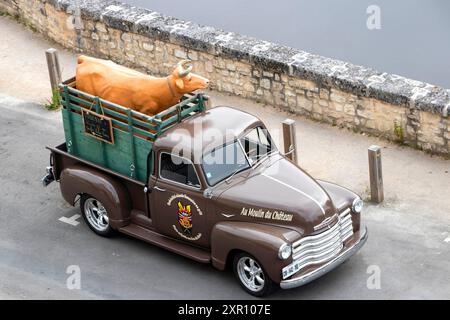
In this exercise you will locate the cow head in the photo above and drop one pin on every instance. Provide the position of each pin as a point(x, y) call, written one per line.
point(185, 81)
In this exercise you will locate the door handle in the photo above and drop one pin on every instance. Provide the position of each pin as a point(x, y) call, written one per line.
point(159, 189)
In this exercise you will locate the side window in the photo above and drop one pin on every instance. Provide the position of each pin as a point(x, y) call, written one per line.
point(178, 169)
point(256, 143)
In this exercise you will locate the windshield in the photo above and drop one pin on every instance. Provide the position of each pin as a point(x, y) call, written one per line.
point(227, 160)
point(257, 144)
point(223, 162)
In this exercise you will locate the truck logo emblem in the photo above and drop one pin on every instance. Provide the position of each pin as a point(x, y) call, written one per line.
point(185, 218)
point(185, 207)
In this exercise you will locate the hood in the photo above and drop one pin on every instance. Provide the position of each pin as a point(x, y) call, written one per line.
point(280, 194)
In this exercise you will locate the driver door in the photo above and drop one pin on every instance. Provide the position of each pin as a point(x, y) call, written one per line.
point(177, 200)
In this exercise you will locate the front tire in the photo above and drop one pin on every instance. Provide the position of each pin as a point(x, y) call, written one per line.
point(95, 215)
point(251, 275)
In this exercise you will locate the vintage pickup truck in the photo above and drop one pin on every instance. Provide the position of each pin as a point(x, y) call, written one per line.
point(160, 180)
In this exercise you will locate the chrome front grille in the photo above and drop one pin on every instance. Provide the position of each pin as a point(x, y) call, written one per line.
point(345, 222)
point(324, 246)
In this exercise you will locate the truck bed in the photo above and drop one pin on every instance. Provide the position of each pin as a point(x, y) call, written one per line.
point(115, 137)
point(67, 158)
point(61, 158)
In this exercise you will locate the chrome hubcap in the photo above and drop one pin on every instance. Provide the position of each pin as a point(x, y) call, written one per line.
point(251, 274)
point(96, 214)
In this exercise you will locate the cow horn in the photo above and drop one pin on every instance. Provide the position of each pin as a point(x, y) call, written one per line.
point(185, 68)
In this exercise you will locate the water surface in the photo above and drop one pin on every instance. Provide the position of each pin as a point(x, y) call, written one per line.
point(414, 39)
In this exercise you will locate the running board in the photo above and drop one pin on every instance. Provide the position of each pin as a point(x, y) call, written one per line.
point(167, 243)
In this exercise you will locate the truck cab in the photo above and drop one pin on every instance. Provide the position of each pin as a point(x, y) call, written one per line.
point(192, 171)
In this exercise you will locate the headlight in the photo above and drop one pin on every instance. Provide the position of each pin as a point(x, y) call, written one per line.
point(285, 251)
point(357, 205)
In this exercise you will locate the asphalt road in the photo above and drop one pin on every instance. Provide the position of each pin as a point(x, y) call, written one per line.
point(411, 250)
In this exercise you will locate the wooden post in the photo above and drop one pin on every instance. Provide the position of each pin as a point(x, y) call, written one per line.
point(70, 132)
point(207, 103)
point(376, 174)
point(132, 145)
point(289, 139)
point(54, 69)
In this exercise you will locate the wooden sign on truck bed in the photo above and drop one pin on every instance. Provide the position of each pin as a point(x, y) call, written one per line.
point(98, 126)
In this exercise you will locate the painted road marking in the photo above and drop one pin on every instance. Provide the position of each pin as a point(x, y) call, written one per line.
point(72, 220)
point(447, 240)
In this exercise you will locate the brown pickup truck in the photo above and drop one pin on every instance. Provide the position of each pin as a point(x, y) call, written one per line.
point(235, 201)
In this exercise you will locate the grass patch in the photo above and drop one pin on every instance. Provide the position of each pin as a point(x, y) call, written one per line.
point(55, 102)
point(398, 131)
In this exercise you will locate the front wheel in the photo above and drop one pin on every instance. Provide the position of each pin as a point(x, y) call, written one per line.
point(95, 215)
point(251, 275)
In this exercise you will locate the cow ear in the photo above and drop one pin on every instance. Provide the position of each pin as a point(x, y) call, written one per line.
point(179, 83)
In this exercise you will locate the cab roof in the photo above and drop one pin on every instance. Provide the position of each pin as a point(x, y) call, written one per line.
point(207, 130)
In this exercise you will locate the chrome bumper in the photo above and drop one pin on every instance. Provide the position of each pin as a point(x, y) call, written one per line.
point(330, 265)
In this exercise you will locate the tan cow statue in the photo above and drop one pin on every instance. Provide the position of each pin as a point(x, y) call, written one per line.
point(133, 89)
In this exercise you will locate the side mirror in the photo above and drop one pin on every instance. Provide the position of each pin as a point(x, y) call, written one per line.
point(208, 194)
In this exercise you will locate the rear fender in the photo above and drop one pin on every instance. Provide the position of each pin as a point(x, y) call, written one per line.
point(77, 180)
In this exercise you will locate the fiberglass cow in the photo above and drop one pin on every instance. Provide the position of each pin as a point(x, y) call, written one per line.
point(133, 89)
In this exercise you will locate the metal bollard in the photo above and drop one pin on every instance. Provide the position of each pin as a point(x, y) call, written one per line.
point(289, 140)
point(54, 69)
point(376, 174)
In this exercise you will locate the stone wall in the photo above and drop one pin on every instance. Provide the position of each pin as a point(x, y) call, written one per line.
point(354, 97)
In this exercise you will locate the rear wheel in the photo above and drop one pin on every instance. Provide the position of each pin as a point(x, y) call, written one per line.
point(95, 215)
point(251, 275)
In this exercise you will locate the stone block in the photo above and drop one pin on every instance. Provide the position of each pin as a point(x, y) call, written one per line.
point(267, 74)
point(324, 94)
point(265, 83)
point(209, 66)
point(193, 55)
point(338, 97)
point(349, 109)
point(180, 54)
point(147, 46)
point(231, 67)
point(304, 103)
point(100, 27)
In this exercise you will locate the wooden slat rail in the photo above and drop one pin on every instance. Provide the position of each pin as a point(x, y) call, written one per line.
point(141, 125)
point(116, 123)
point(174, 119)
point(110, 112)
point(107, 103)
point(179, 105)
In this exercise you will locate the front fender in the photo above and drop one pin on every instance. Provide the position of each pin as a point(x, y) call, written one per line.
point(260, 240)
point(341, 197)
point(78, 179)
